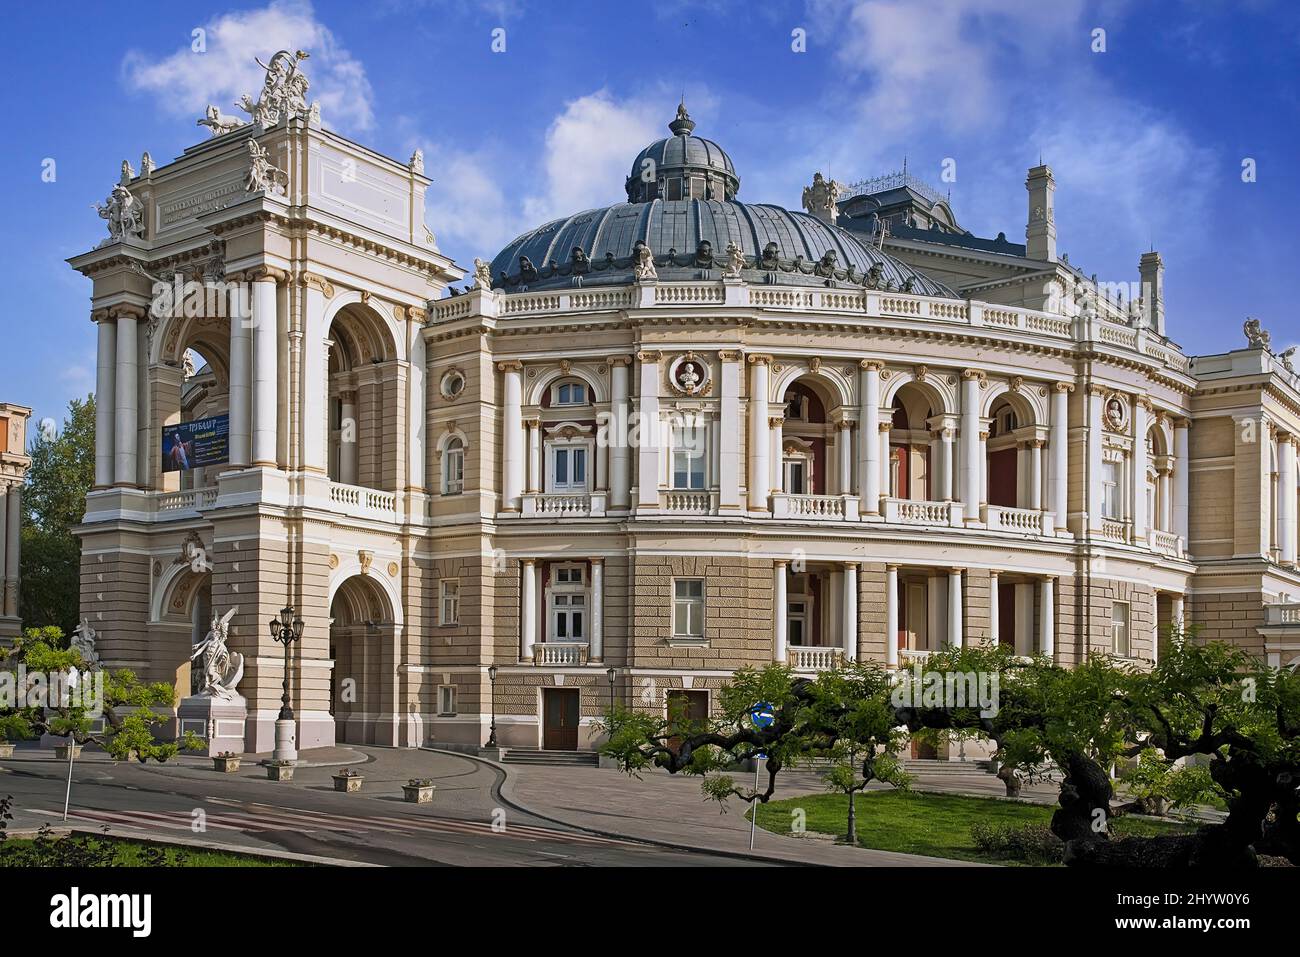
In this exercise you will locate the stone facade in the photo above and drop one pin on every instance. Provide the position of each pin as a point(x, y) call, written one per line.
point(630, 489)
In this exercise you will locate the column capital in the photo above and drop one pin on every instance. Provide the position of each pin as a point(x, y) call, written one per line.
point(624, 360)
point(780, 562)
point(954, 570)
point(775, 420)
point(126, 310)
point(1047, 579)
point(649, 356)
point(265, 273)
point(510, 365)
point(1063, 387)
point(871, 365)
point(528, 561)
point(759, 358)
point(848, 565)
point(891, 567)
point(534, 422)
point(979, 374)
point(731, 355)
point(313, 281)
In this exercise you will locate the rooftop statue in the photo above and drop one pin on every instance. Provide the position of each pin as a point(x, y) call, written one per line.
point(643, 265)
point(262, 176)
point(284, 91)
point(124, 215)
point(222, 668)
point(482, 274)
point(218, 122)
point(1257, 336)
point(735, 262)
point(820, 198)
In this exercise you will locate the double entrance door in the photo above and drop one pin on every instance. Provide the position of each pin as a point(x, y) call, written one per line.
point(560, 719)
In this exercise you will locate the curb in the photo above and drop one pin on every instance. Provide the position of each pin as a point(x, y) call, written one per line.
point(506, 792)
point(145, 837)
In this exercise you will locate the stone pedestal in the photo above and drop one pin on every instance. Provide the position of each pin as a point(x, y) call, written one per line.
point(286, 741)
point(217, 721)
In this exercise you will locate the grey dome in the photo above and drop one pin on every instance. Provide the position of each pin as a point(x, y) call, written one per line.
point(680, 161)
point(685, 211)
point(674, 231)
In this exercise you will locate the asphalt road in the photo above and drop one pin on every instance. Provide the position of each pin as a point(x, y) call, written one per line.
point(467, 825)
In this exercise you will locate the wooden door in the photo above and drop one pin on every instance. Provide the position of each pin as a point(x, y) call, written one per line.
point(690, 709)
point(560, 719)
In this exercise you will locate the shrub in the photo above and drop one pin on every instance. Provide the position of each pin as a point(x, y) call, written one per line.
point(1027, 843)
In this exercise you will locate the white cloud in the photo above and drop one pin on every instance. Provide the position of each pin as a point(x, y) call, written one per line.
point(186, 81)
point(466, 206)
point(942, 61)
point(588, 153)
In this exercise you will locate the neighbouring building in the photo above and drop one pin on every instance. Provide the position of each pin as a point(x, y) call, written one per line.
point(14, 463)
point(653, 443)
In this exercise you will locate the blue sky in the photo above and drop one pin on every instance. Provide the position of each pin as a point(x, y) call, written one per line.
point(1146, 139)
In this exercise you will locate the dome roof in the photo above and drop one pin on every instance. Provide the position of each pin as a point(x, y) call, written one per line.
point(669, 168)
point(688, 229)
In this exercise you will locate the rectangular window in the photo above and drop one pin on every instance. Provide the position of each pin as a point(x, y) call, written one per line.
point(569, 468)
point(1110, 491)
point(1119, 629)
point(448, 601)
point(796, 476)
point(688, 608)
point(796, 623)
point(446, 699)
point(568, 617)
point(453, 465)
point(689, 446)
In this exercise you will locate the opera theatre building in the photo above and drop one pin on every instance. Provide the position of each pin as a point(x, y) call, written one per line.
point(645, 445)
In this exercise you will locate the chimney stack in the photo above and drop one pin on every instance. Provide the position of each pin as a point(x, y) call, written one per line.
point(1040, 232)
point(1152, 270)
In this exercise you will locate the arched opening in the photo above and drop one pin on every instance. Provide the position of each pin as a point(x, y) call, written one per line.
point(562, 458)
point(365, 388)
point(362, 646)
point(188, 386)
point(816, 456)
point(915, 440)
point(1015, 449)
point(1159, 480)
point(184, 615)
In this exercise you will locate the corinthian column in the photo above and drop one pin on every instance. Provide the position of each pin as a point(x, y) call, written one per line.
point(1058, 446)
point(512, 437)
point(126, 402)
point(759, 439)
point(105, 397)
point(868, 437)
point(970, 443)
point(647, 478)
point(266, 366)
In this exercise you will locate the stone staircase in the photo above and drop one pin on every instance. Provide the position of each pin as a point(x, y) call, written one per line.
point(535, 756)
point(933, 766)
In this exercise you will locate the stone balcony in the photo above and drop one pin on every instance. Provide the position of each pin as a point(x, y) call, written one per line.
point(563, 504)
point(1027, 521)
point(815, 508)
point(360, 502)
point(560, 653)
point(814, 657)
point(903, 511)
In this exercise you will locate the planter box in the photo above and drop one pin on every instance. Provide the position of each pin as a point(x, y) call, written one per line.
point(225, 765)
point(6, 749)
point(418, 794)
point(276, 773)
point(347, 784)
point(61, 752)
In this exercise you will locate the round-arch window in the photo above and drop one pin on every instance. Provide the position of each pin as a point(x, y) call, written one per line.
point(453, 384)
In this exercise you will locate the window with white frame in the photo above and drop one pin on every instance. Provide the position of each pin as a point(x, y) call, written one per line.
point(446, 699)
point(569, 393)
point(449, 601)
point(797, 622)
point(568, 603)
point(1111, 494)
point(569, 467)
point(689, 448)
point(1119, 629)
point(796, 474)
point(453, 467)
point(688, 608)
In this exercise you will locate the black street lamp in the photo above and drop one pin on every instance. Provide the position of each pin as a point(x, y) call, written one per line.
point(492, 736)
point(286, 629)
point(612, 675)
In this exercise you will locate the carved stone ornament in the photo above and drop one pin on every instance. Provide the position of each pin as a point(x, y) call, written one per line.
point(222, 668)
point(482, 275)
point(820, 198)
point(83, 641)
point(735, 262)
point(365, 557)
point(219, 123)
point(643, 266)
point(124, 215)
point(1257, 336)
point(689, 375)
point(284, 92)
point(1115, 413)
point(262, 175)
point(392, 569)
point(417, 162)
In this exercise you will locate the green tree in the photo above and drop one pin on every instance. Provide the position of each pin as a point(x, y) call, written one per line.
point(54, 502)
point(128, 707)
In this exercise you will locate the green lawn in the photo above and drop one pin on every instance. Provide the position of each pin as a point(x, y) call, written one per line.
point(66, 852)
point(936, 825)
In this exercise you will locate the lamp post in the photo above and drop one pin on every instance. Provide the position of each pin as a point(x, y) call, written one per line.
point(492, 735)
point(286, 629)
point(612, 675)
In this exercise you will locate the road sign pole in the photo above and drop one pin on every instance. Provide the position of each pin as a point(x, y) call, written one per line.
point(753, 818)
point(67, 793)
